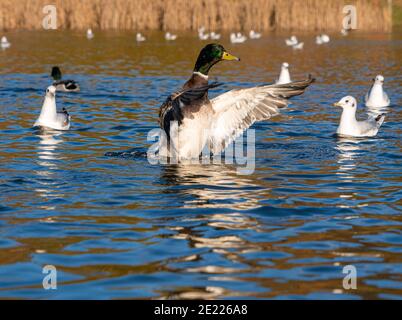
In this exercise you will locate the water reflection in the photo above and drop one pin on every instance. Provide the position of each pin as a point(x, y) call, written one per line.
point(228, 247)
point(213, 186)
point(124, 229)
point(376, 111)
point(48, 158)
point(349, 150)
point(348, 153)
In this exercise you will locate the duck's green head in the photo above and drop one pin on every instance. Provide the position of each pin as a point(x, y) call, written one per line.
point(210, 55)
point(56, 73)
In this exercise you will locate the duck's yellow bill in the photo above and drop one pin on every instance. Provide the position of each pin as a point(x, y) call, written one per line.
point(228, 56)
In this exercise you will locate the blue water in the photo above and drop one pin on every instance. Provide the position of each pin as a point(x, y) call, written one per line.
point(120, 227)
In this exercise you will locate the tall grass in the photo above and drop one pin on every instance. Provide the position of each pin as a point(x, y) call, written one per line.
point(373, 15)
point(397, 13)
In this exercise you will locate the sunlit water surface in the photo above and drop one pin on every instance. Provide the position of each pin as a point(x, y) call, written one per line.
point(119, 227)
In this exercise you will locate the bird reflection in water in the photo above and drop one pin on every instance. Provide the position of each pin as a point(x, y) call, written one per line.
point(351, 151)
point(230, 248)
point(213, 186)
point(48, 158)
point(348, 153)
point(210, 186)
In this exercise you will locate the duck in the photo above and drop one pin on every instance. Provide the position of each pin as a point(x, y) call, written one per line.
point(349, 126)
point(5, 43)
point(63, 85)
point(291, 41)
point(254, 35)
point(90, 34)
point(190, 121)
point(377, 97)
point(284, 76)
point(49, 117)
point(170, 37)
point(139, 37)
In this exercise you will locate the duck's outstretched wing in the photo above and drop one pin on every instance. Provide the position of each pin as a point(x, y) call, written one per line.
point(172, 108)
point(237, 110)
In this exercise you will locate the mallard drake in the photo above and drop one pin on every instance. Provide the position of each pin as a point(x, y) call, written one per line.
point(196, 120)
point(63, 85)
point(49, 116)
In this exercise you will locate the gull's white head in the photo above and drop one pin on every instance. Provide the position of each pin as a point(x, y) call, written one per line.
point(51, 91)
point(4, 39)
point(293, 38)
point(285, 65)
point(379, 79)
point(347, 103)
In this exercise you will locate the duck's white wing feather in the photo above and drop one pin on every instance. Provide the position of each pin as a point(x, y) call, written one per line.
point(237, 110)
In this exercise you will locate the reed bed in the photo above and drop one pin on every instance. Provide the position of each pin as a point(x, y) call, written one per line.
point(236, 15)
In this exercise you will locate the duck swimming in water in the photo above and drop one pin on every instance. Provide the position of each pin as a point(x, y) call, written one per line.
point(49, 117)
point(197, 121)
point(63, 85)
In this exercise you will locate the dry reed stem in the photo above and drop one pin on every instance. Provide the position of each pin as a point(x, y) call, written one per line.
point(233, 15)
